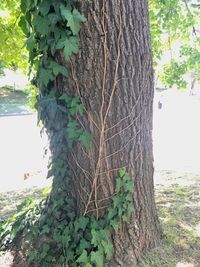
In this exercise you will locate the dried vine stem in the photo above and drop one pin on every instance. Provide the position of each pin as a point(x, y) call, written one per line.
point(103, 118)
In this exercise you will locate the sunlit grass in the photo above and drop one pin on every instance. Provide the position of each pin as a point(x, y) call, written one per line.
point(179, 212)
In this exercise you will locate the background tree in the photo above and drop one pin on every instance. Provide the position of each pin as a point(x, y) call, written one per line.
point(175, 31)
point(12, 50)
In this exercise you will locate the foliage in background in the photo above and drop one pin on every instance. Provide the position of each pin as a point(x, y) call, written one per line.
point(12, 51)
point(175, 31)
point(1, 69)
point(171, 21)
point(33, 94)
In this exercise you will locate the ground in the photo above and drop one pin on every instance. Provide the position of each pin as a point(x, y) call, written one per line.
point(178, 203)
point(176, 147)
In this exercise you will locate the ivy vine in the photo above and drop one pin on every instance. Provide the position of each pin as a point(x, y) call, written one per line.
point(75, 241)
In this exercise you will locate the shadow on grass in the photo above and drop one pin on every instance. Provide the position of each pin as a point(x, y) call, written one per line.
point(9, 202)
point(179, 213)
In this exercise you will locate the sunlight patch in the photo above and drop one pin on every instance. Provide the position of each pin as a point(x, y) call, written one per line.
point(184, 264)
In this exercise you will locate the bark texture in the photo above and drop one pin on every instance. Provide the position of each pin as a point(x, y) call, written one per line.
point(113, 76)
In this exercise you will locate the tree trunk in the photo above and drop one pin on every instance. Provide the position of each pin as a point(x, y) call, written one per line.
point(113, 76)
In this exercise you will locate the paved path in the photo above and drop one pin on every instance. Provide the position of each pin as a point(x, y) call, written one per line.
point(177, 133)
point(21, 153)
point(176, 143)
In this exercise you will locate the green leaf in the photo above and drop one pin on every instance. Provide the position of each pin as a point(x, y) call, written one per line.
point(111, 214)
point(114, 224)
point(62, 259)
point(58, 69)
point(98, 258)
point(45, 229)
point(108, 248)
point(85, 138)
point(72, 130)
point(84, 244)
point(46, 191)
point(32, 256)
point(30, 43)
point(65, 98)
point(23, 6)
point(76, 106)
point(83, 257)
point(94, 240)
point(44, 7)
point(69, 44)
point(119, 185)
point(24, 26)
point(41, 24)
point(122, 172)
point(81, 223)
point(45, 247)
point(74, 18)
point(45, 75)
point(53, 18)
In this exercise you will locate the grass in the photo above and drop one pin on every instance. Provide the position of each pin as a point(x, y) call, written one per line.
point(179, 212)
point(10, 200)
point(178, 204)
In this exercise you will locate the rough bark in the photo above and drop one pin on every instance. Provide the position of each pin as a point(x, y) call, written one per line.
point(114, 78)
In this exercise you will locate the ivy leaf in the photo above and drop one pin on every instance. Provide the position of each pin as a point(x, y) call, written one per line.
point(98, 258)
point(84, 244)
point(45, 229)
point(114, 224)
point(30, 43)
point(122, 172)
point(81, 223)
point(119, 185)
point(85, 139)
point(95, 237)
point(111, 214)
point(53, 18)
point(33, 255)
point(41, 24)
point(70, 45)
point(74, 18)
point(83, 257)
point(45, 75)
point(24, 5)
point(108, 248)
point(76, 106)
point(58, 69)
point(24, 26)
point(65, 98)
point(44, 8)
